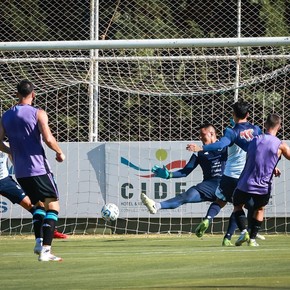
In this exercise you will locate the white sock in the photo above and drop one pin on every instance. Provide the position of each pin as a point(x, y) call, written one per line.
point(46, 248)
point(158, 205)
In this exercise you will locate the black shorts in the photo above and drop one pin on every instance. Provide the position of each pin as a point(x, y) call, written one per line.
point(241, 197)
point(38, 188)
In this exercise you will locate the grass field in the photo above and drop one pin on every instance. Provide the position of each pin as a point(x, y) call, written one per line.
point(146, 262)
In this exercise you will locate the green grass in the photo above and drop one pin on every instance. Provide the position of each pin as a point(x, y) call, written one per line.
point(146, 262)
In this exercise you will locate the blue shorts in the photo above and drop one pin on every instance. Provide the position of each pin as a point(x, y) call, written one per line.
point(226, 189)
point(207, 189)
point(10, 189)
point(38, 188)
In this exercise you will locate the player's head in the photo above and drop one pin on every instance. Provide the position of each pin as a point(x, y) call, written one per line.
point(207, 133)
point(25, 88)
point(273, 121)
point(240, 110)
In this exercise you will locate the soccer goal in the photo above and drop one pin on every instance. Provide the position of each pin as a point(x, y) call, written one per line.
point(120, 107)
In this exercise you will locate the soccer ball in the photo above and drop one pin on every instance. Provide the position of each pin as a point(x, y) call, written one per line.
point(110, 212)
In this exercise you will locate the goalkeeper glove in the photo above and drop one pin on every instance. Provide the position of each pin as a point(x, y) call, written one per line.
point(161, 172)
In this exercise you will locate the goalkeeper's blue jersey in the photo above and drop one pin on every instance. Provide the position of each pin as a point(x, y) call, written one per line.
point(237, 139)
point(212, 164)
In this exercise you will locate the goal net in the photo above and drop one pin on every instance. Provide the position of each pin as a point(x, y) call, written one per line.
point(119, 111)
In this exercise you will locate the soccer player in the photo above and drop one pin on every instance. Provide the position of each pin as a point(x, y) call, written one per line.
point(26, 126)
point(255, 182)
point(10, 189)
point(212, 165)
point(237, 140)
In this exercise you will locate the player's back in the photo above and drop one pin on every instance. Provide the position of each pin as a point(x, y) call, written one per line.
point(241, 134)
point(21, 128)
point(262, 159)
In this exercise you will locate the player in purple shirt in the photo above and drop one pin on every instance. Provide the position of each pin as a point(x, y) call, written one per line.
point(26, 126)
point(255, 183)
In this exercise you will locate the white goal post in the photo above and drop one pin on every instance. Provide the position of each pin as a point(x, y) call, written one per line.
point(118, 107)
point(145, 43)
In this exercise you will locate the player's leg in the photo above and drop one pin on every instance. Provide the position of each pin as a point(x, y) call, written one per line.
point(38, 218)
point(232, 226)
point(260, 201)
point(213, 210)
point(12, 190)
point(192, 195)
point(227, 187)
point(239, 199)
point(48, 188)
point(189, 196)
point(208, 191)
point(44, 188)
point(37, 211)
point(255, 227)
point(50, 221)
point(250, 214)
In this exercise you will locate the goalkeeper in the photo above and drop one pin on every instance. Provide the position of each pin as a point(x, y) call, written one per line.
point(212, 164)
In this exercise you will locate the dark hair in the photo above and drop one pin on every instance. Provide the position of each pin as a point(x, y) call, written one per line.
point(241, 109)
point(206, 126)
point(272, 121)
point(24, 88)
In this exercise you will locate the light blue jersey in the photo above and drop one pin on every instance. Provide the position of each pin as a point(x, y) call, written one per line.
point(237, 139)
point(236, 161)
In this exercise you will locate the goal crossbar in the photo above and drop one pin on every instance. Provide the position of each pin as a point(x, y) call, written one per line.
point(145, 43)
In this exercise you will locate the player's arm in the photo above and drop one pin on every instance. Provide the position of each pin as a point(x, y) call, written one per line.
point(163, 172)
point(47, 136)
point(226, 140)
point(3, 146)
point(284, 150)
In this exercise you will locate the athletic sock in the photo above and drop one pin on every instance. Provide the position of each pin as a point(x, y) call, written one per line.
point(241, 220)
point(231, 227)
point(49, 224)
point(213, 211)
point(256, 226)
point(38, 215)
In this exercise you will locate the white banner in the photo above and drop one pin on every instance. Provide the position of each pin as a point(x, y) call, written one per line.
point(95, 173)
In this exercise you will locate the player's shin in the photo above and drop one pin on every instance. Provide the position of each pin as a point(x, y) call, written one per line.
point(38, 215)
point(241, 220)
point(49, 224)
point(255, 227)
